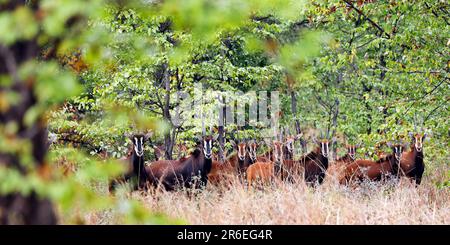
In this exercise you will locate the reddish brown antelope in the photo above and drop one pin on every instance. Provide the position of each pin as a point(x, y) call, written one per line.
point(411, 164)
point(135, 164)
point(239, 160)
point(336, 171)
point(291, 168)
point(222, 173)
point(265, 172)
point(382, 169)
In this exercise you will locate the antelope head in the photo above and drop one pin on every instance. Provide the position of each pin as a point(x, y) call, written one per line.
point(241, 149)
point(277, 151)
point(207, 146)
point(325, 147)
point(417, 140)
point(289, 143)
point(351, 151)
point(252, 150)
point(397, 149)
point(138, 142)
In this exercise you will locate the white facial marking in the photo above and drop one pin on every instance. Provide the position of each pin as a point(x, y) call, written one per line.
point(418, 144)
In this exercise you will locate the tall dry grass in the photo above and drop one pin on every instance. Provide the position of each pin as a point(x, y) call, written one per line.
point(285, 203)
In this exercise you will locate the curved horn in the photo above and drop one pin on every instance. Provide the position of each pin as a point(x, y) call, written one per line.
point(127, 135)
point(203, 126)
point(415, 122)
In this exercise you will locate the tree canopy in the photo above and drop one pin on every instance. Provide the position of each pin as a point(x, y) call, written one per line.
point(89, 71)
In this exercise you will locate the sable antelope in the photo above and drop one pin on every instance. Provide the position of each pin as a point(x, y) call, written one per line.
point(172, 173)
point(411, 163)
point(239, 160)
point(221, 173)
point(375, 170)
point(291, 167)
point(252, 152)
point(315, 163)
point(288, 147)
point(135, 163)
point(159, 151)
point(264, 172)
point(337, 169)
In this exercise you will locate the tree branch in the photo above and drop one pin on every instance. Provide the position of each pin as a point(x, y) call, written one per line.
point(367, 18)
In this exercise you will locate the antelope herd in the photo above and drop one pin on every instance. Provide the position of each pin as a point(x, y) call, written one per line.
point(278, 163)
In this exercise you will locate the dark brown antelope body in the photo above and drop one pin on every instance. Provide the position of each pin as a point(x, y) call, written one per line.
point(411, 164)
point(135, 165)
point(190, 172)
point(382, 169)
point(315, 164)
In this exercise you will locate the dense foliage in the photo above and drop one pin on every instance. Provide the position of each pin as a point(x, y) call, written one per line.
point(366, 71)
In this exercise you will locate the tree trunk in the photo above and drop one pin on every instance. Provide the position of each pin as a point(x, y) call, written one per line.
point(168, 142)
point(334, 125)
point(296, 120)
point(221, 137)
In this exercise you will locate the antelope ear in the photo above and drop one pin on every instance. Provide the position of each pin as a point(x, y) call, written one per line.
point(148, 135)
point(233, 143)
point(333, 140)
point(129, 136)
point(199, 138)
point(314, 140)
point(358, 145)
point(389, 144)
point(411, 134)
point(426, 136)
point(215, 137)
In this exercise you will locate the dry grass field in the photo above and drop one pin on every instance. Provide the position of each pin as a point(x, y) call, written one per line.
point(285, 203)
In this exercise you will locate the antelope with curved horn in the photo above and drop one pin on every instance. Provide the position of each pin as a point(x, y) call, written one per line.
point(188, 172)
point(135, 163)
point(384, 168)
point(223, 172)
point(291, 168)
point(412, 164)
point(265, 172)
point(239, 160)
point(336, 171)
point(315, 163)
point(252, 147)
